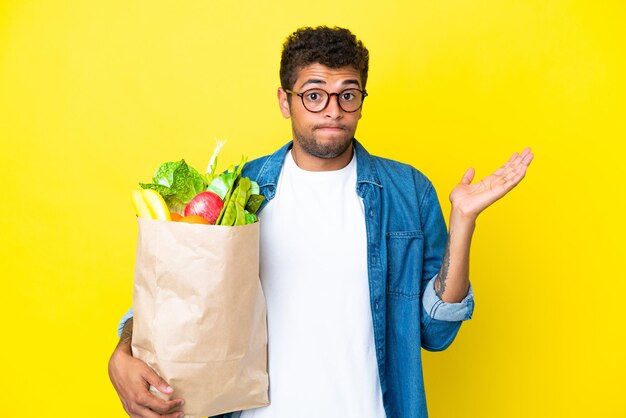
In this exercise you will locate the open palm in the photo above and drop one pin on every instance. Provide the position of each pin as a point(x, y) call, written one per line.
point(471, 199)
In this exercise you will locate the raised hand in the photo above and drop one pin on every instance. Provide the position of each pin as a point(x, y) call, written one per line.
point(471, 199)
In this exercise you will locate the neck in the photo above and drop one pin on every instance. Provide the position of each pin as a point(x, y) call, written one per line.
point(310, 162)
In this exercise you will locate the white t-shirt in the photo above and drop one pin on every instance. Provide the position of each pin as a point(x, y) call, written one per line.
point(322, 360)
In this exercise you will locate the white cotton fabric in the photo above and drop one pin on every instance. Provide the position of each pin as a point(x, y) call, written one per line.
point(322, 360)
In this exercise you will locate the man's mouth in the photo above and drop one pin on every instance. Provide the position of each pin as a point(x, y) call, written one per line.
point(330, 127)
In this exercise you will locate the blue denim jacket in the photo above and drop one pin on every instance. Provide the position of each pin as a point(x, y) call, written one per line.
point(406, 238)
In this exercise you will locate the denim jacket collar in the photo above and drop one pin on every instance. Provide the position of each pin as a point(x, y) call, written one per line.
point(270, 171)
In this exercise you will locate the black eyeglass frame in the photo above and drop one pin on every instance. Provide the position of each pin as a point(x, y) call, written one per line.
point(329, 95)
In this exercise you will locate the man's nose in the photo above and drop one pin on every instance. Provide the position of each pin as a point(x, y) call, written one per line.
point(333, 110)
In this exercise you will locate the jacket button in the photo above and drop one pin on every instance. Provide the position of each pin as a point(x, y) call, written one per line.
point(376, 306)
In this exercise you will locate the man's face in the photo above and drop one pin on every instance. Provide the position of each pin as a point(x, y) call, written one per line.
point(329, 133)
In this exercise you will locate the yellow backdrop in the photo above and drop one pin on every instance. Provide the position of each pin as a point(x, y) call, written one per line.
point(95, 95)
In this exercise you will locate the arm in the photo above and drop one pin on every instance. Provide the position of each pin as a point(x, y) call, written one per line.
point(132, 378)
point(468, 201)
point(452, 282)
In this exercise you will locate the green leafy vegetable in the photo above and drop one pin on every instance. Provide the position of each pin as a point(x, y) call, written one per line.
point(222, 184)
point(242, 199)
point(177, 182)
point(251, 218)
point(254, 202)
point(234, 209)
point(254, 188)
point(236, 173)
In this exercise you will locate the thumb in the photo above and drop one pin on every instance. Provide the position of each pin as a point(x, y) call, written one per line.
point(157, 381)
point(468, 176)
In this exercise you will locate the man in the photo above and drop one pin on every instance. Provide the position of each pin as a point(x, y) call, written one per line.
point(357, 267)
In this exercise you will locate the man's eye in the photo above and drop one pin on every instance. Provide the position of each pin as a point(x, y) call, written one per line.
point(347, 96)
point(313, 96)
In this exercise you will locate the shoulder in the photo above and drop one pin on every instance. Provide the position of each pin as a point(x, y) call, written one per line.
point(253, 168)
point(385, 171)
point(396, 173)
point(265, 170)
point(407, 196)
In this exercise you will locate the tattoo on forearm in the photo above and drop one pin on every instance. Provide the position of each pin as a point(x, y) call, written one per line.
point(440, 281)
point(127, 332)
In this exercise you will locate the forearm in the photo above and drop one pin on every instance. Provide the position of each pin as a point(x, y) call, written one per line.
point(452, 282)
point(126, 337)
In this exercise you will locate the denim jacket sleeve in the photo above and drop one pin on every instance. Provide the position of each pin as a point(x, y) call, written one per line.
point(440, 320)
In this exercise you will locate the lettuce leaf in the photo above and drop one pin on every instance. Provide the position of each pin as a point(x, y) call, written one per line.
point(177, 182)
point(222, 184)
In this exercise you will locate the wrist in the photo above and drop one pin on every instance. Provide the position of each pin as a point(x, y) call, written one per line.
point(124, 347)
point(462, 218)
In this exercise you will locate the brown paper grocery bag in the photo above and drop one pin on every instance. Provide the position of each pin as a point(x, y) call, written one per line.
point(199, 313)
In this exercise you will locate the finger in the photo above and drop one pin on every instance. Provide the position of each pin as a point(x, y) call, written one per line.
point(145, 412)
point(157, 381)
point(468, 176)
point(173, 406)
point(522, 159)
point(528, 158)
point(512, 162)
point(517, 157)
point(507, 171)
point(513, 171)
point(138, 411)
point(154, 402)
point(525, 157)
point(513, 178)
point(174, 415)
point(151, 402)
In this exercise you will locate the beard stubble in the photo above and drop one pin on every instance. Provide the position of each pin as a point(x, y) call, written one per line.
point(333, 149)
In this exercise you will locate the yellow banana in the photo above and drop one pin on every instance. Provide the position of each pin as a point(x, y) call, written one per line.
point(150, 204)
point(156, 205)
point(141, 208)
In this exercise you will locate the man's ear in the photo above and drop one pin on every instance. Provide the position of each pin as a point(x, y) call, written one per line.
point(283, 103)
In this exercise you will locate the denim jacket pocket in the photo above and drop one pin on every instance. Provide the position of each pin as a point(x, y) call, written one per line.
point(405, 251)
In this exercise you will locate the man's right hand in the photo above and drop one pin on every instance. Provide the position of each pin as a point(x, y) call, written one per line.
point(132, 378)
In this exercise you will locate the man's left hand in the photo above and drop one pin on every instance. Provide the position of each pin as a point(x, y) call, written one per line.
point(471, 199)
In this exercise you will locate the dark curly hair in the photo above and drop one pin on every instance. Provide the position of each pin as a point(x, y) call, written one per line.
point(333, 47)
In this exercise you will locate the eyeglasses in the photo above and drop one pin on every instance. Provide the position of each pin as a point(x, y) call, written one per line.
point(316, 100)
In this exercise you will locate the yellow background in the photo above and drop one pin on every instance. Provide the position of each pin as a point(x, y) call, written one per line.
point(95, 95)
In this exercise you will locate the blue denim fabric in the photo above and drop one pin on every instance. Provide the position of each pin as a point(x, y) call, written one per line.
point(406, 237)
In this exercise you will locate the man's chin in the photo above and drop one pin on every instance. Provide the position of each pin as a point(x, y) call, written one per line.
point(328, 148)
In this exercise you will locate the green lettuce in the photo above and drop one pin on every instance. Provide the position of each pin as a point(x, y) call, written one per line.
point(178, 183)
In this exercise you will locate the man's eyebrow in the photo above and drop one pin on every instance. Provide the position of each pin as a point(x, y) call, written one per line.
point(353, 81)
point(313, 81)
point(320, 81)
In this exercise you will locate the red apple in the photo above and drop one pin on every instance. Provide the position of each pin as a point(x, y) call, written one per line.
point(205, 204)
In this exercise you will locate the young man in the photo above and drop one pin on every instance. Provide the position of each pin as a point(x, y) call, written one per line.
point(357, 267)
